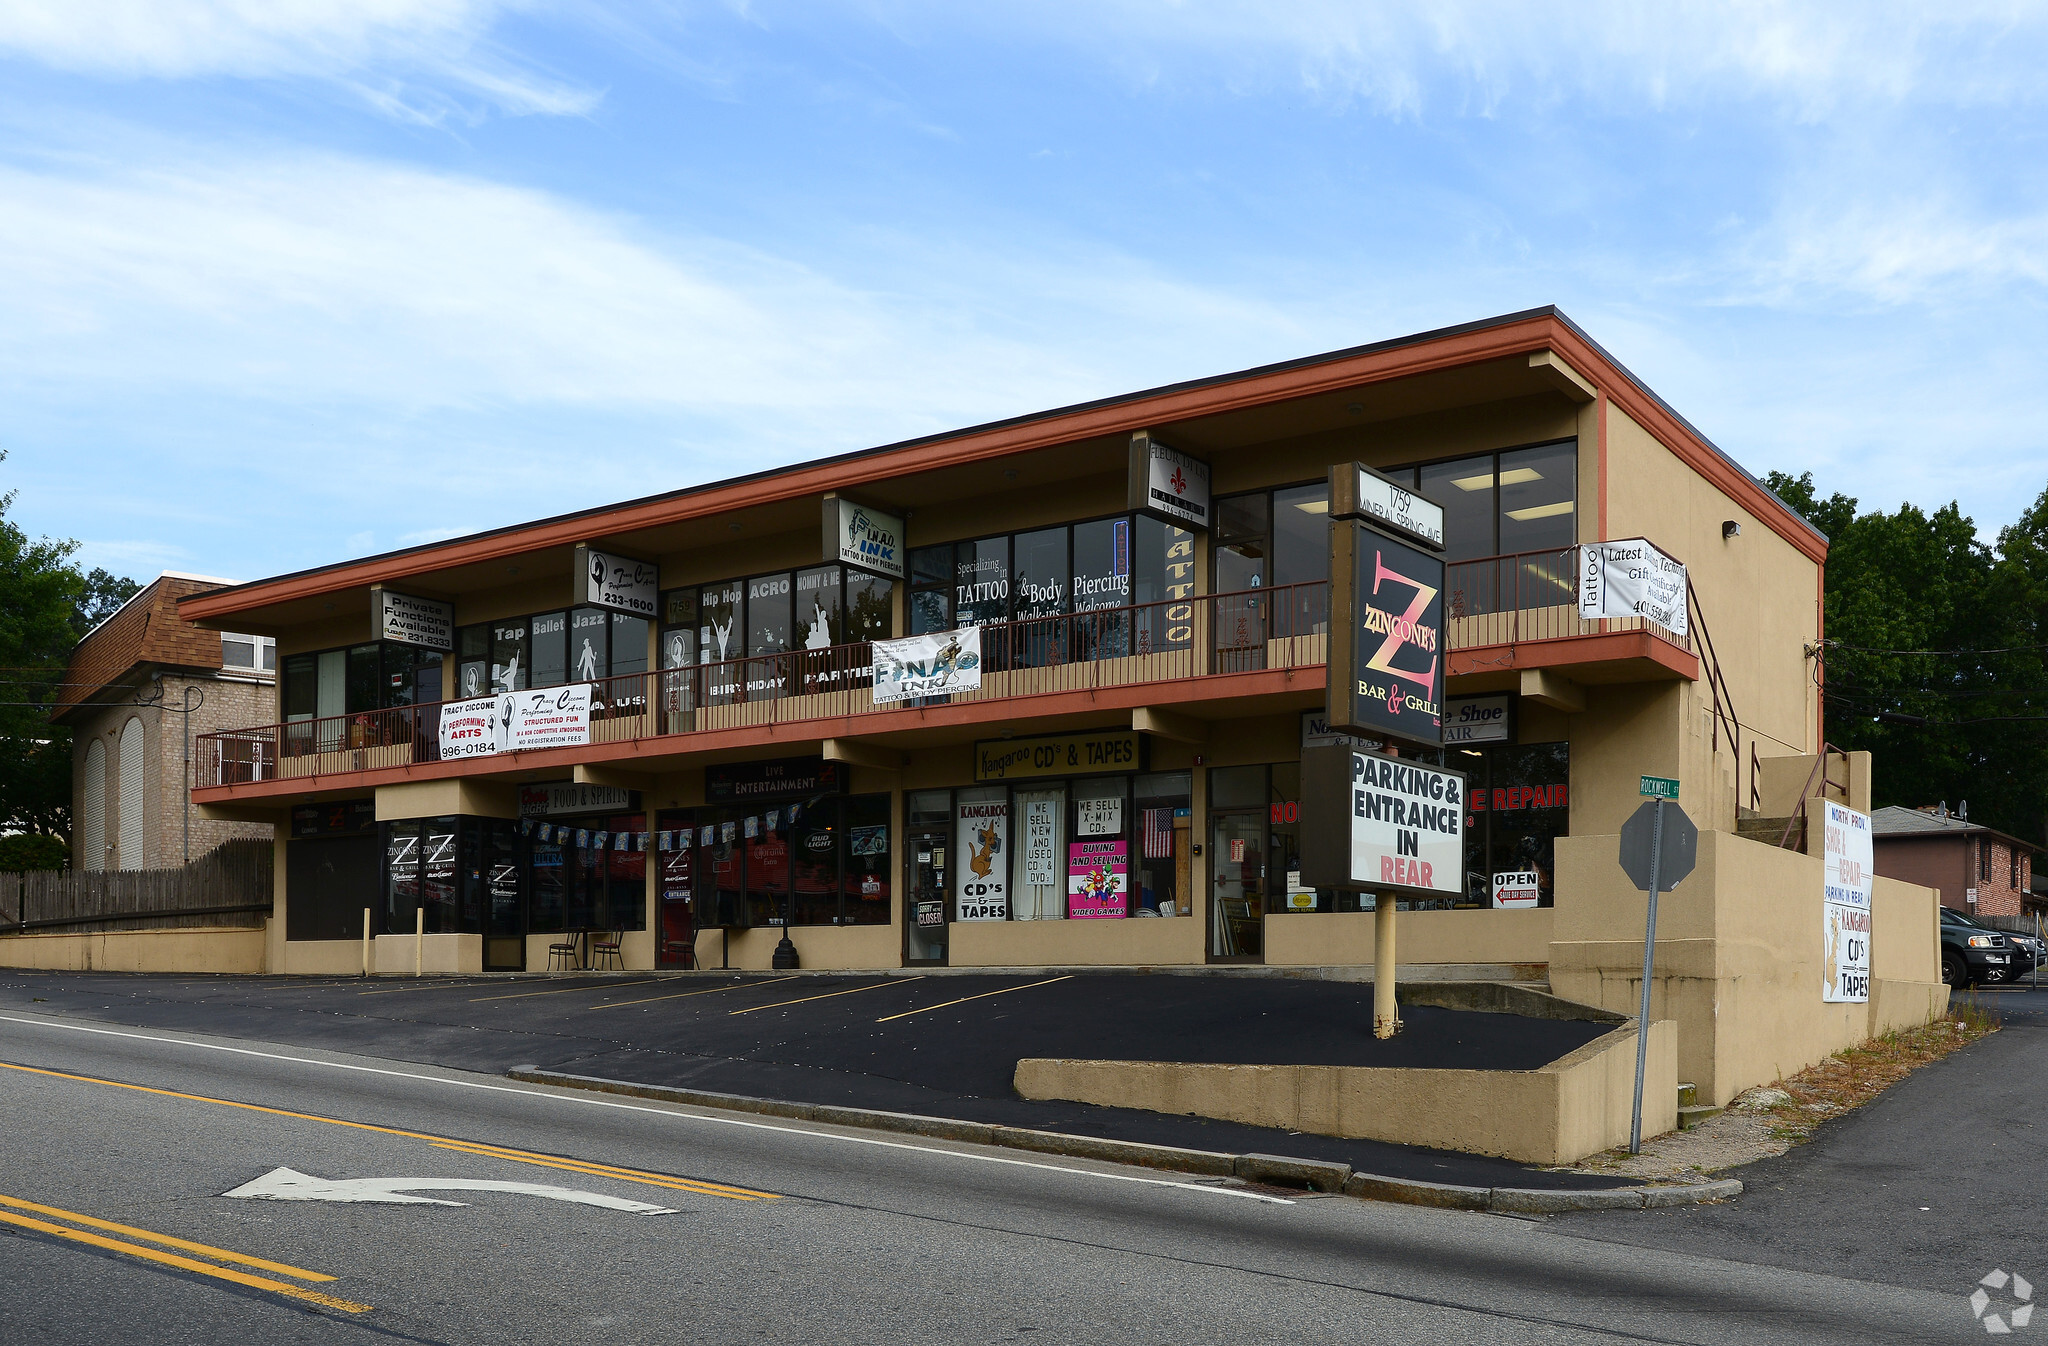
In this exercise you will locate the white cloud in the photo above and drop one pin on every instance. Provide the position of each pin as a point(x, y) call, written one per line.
point(419, 59)
point(1480, 54)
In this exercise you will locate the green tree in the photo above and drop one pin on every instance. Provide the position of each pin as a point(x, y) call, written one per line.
point(1932, 661)
point(39, 591)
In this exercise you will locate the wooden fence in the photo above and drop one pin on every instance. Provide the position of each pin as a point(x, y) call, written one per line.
point(228, 886)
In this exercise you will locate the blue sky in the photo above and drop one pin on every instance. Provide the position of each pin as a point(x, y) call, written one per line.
point(288, 282)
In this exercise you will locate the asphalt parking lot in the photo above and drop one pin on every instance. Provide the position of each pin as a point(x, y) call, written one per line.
point(945, 1045)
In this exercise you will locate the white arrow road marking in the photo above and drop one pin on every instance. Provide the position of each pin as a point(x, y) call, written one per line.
point(284, 1184)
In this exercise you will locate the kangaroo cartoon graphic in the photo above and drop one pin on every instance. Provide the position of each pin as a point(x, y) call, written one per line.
point(1834, 950)
point(987, 841)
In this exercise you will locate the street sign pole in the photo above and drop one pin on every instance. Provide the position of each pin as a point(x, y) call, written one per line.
point(1635, 1120)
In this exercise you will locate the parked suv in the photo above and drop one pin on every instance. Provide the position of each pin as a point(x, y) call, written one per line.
point(1972, 953)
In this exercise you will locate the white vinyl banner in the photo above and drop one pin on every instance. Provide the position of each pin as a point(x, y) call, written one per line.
point(1631, 578)
point(474, 728)
point(983, 871)
point(936, 664)
point(1846, 872)
point(550, 717)
point(1407, 826)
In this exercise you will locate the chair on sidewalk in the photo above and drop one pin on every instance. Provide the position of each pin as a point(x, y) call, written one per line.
point(605, 949)
point(562, 956)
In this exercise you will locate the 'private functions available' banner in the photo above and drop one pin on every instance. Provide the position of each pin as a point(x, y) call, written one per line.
point(545, 717)
point(1631, 578)
point(936, 664)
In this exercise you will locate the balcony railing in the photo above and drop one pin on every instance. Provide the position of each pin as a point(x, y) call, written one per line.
point(1527, 596)
point(1491, 601)
point(1281, 627)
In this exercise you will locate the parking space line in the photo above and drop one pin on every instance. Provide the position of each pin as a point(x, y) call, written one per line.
point(805, 1000)
point(444, 986)
point(185, 1263)
point(984, 995)
point(683, 995)
point(646, 981)
point(282, 1268)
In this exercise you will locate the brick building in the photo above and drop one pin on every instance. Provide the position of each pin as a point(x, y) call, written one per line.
point(1977, 870)
point(127, 692)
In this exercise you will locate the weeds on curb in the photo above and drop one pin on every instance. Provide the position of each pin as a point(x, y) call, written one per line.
point(1856, 1075)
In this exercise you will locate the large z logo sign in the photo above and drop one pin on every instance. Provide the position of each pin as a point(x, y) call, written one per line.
point(1404, 629)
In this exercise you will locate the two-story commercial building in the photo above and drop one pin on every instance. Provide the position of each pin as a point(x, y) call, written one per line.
point(1112, 776)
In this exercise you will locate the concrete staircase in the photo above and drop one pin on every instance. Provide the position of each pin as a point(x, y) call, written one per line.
point(1771, 831)
point(1691, 1112)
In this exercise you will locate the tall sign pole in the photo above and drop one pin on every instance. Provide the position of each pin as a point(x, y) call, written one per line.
point(1635, 1116)
point(1386, 655)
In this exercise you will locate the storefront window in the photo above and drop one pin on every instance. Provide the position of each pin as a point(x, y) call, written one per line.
point(589, 647)
point(1519, 805)
point(510, 669)
point(1162, 866)
point(1038, 877)
point(550, 649)
point(814, 861)
point(981, 582)
point(869, 600)
point(931, 590)
point(1163, 584)
point(822, 860)
point(720, 639)
point(820, 610)
point(1538, 498)
point(1098, 855)
point(866, 867)
point(423, 870)
point(473, 669)
point(1102, 580)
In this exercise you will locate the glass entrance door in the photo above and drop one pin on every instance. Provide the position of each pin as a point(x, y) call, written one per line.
point(1237, 905)
point(924, 929)
point(675, 940)
point(505, 904)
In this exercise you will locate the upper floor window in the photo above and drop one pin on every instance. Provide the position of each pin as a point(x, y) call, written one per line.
point(255, 654)
point(1501, 504)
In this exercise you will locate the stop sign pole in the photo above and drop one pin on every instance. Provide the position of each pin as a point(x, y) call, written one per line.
point(1635, 1116)
point(1656, 854)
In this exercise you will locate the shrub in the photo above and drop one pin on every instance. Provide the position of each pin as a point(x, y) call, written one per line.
point(33, 850)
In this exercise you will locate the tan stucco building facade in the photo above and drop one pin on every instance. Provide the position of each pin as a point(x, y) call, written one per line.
point(1148, 683)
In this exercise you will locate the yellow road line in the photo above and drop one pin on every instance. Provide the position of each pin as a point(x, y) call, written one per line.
point(607, 1171)
point(186, 1264)
point(521, 995)
point(504, 1153)
point(443, 1141)
point(893, 981)
point(681, 995)
point(283, 1268)
point(984, 995)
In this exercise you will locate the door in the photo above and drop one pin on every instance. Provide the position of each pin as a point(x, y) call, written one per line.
point(505, 914)
point(924, 930)
point(676, 937)
point(1237, 905)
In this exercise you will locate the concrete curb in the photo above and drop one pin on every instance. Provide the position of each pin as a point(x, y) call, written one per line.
point(1315, 1175)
